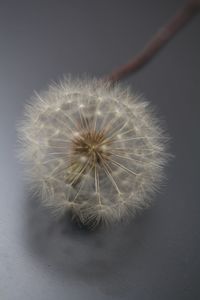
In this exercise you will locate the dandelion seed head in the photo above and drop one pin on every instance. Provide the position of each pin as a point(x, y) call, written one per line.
point(94, 149)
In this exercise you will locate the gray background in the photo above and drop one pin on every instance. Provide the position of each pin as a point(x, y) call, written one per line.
point(155, 256)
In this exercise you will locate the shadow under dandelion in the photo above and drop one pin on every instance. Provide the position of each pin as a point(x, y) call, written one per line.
point(99, 257)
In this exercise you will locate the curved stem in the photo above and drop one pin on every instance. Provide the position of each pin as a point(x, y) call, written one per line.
point(160, 39)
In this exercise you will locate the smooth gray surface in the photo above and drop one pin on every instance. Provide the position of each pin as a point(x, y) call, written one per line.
point(156, 256)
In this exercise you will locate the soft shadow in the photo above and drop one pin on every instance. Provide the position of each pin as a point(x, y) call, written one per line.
point(100, 257)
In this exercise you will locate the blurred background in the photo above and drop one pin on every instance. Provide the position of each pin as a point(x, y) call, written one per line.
point(154, 256)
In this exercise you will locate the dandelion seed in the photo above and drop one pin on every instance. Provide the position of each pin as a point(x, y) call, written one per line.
point(94, 149)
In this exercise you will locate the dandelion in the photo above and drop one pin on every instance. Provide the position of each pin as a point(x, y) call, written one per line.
point(92, 149)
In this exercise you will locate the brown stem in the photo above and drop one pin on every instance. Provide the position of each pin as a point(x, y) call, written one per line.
point(181, 18)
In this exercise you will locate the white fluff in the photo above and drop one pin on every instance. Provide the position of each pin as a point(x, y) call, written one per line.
point(91, 148)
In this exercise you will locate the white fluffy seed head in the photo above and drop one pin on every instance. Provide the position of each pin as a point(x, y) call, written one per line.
point(93, 149)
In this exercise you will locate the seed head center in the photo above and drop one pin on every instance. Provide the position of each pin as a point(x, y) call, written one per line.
point(90, 144)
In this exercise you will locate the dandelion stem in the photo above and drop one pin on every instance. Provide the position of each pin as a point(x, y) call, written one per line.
point(158, 41)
